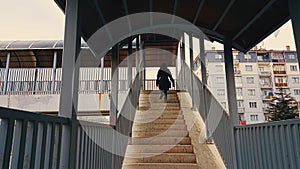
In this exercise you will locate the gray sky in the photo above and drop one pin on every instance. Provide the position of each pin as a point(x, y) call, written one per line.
point(43, 20)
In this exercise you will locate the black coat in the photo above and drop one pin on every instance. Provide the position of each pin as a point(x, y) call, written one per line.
point(162, 80)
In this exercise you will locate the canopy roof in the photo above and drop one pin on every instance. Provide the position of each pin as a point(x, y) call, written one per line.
point(245, 22)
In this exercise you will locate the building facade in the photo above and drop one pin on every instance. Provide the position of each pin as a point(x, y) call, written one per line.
point(258, 74)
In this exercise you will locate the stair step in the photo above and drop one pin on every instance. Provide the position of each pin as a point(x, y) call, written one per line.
point(149, 119)
point(158, 108)
point(161, 141)
point(160, 158)
point(161, 121)
point(159, 104)
point(163, 133)
point(159, 112)
point(154, 116)
point(160, 166)
point(159, 149)
point(158, 127)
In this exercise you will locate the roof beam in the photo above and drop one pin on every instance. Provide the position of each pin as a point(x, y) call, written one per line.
point(198, 11)
point(216, 36)
point(174, 10)
point(224, 14)
point(102, 19)
point(126, 13)
point(258, 15)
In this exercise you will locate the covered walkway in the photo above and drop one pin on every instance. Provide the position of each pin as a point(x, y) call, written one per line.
point(170, 27)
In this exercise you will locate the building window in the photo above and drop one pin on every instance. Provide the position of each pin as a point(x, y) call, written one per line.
point(240, 103)
point(261, 69)
point(221, 92)
point(220, 79)
point(254, 117)
point(291, 56)
point(250, 80)
point(252, 105)
point(218, 57)
point(295, 80)
point(239, 92)
point(247, 56)
point(248, 67)
point(251, 92)
point(297, 91)
point(293, 68)
point(238, 79)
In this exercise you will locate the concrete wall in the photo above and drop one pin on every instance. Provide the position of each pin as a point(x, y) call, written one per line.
point(46, 103)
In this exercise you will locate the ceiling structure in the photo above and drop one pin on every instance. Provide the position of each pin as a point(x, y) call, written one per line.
point(245, 22)
point(40, 54)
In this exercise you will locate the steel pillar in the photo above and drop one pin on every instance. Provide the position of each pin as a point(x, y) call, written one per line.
point(114, 84)
point(6, 73)
point(69, 90)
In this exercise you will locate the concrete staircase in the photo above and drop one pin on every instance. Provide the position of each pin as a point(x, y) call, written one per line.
point(160, 137)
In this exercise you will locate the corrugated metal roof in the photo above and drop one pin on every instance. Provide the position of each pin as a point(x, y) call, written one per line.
point(37, 44)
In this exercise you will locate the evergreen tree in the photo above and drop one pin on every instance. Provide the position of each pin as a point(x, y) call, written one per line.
point(282, 107)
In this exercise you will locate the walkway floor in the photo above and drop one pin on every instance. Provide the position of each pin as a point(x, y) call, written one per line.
point(163, 139)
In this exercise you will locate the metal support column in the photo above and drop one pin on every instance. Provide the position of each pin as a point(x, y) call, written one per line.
point(114, 84)
point(129, 62)
point(6, 73)
point(231, 92)
point(54, 71)
point(230, 81)
point(69, 91)
point(294, 6)
point(191, 70)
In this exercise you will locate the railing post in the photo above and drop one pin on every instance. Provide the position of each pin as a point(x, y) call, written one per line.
point(209, 139)
point(182, 52)
point(191, 70)
point(129, 62)
point(6, 73)
point(102, 75)
point(69, 90)
point(54, 71)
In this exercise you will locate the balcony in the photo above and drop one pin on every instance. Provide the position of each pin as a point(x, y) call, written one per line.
point(266, 85)
point(265, 73)
point(266, 98)
point(241, 110)
point(281, 84)
point(279, 72)
point(237, 72)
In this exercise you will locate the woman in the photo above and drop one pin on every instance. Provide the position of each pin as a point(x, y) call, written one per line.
point(163, 82)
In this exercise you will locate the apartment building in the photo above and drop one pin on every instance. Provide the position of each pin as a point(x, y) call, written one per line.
point(258, 74)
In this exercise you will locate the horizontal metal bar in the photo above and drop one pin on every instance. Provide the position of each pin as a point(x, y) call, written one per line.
point(8, 113)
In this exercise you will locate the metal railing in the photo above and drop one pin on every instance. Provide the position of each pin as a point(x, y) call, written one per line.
point(30, 140)
point(150, 84)
point(29, 81)
point(273, 145)
point(102, 145)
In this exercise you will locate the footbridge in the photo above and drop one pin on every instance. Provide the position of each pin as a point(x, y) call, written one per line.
point(125, 42)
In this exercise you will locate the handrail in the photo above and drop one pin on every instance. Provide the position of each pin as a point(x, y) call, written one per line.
point(8, 113)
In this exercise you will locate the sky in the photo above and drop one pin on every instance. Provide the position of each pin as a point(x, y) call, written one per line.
point(43, 20)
